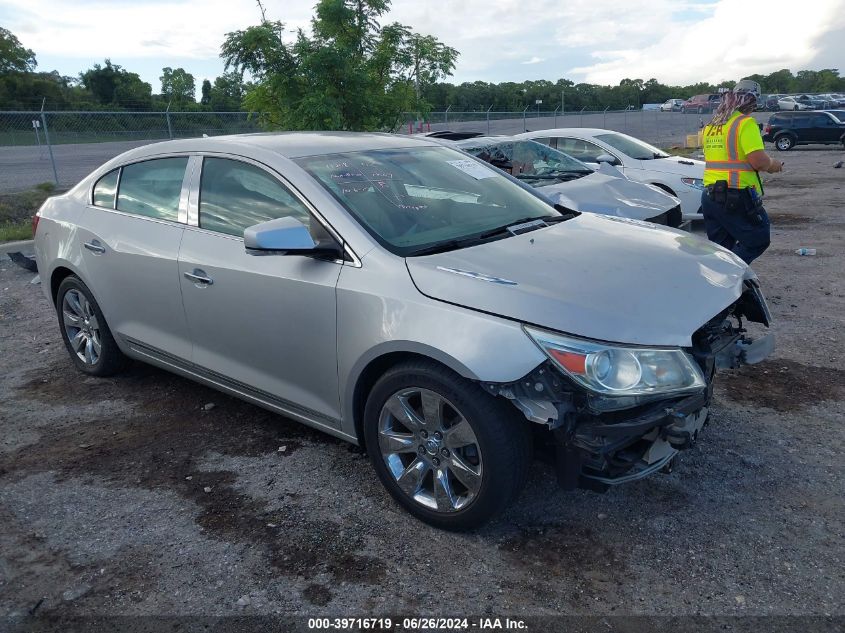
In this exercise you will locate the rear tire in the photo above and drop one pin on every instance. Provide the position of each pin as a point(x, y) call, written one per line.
point(85, 333)
point(450, 453)
point(784, 143)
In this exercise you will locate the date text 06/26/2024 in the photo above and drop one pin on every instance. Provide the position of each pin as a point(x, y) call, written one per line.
point(417, 624)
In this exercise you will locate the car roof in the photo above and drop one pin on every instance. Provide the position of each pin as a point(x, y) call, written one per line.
point(287, 144)
point(572, 131)
point(489, 140)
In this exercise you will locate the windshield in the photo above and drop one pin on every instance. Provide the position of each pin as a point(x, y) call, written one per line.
point(528, 159)
point(632, 147)
point(413, 199)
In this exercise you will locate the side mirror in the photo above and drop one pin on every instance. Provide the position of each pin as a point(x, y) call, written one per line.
point(606, 158)
point(286, 236)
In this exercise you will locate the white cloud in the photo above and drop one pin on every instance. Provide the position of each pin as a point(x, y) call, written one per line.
point(734, 41)
point(598, 41)
point(186, 29)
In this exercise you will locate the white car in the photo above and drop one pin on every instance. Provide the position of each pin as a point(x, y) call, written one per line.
point(791, 103)
point(639, 161)
point(672, 105)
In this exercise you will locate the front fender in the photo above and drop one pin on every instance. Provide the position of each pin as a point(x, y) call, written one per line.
point(380, 312)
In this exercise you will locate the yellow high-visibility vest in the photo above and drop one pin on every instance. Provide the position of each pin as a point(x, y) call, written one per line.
point(726, 148)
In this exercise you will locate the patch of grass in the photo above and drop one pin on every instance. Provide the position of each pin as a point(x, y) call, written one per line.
point(17, 208)
point(47, 187)
point(689, 152)
point(13, 232)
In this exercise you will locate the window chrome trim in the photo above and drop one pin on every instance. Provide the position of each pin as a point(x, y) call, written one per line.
point(187, 200)
point(138, 216)
point(193, 222)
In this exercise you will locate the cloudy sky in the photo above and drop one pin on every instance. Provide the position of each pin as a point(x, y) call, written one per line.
point(597, 41)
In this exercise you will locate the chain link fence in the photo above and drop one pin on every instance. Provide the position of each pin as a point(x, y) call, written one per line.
point(63, 147)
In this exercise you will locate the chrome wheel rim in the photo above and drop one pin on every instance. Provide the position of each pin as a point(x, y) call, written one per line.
point(81, 327)
point(430, 450)
point(783, 143)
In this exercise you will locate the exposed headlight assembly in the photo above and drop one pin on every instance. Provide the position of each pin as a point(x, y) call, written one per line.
point(616, 370)
point(695, 183)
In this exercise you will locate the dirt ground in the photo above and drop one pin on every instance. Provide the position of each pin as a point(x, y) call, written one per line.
point(148, 494)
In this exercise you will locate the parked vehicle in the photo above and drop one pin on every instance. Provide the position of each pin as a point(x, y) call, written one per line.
point(701, 103)
point(678, 176)
point(672, 105)
point(788, 129)
point(792, 103)
point(771, 102)
point(404, 296)
point(573, 184)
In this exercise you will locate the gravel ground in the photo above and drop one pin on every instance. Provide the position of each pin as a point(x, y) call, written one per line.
point(146, 494)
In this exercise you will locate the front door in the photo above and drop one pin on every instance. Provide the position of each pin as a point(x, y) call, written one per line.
point(262, 325)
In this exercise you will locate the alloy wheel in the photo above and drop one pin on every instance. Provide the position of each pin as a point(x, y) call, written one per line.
point(81, 326)
point(430, 449)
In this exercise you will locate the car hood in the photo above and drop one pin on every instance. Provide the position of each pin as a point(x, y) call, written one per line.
point(684, 167)
point(611, 195)
point(593, 276)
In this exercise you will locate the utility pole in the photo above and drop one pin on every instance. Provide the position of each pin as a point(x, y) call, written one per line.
point(562, 102)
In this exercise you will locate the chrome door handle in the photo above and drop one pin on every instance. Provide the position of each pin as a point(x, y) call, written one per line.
point(199, 278)
point(95, 247)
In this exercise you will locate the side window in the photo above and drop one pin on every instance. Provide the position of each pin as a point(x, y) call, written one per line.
point(236, 195)
point(821, 120)
point(544, 141)
point(580, 149)
point(105, 189)
point(152, 188)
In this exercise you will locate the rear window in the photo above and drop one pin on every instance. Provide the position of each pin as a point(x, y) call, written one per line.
point(105, 189)
point(152, 188)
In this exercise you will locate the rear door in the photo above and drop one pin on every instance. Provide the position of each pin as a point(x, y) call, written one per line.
point(264, 326)
point(129, 237)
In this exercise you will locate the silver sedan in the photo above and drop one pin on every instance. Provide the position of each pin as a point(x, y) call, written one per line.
point(405, 297)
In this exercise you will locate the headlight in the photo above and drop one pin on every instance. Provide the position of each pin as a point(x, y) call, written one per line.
point(615, 370)
point(695, 183)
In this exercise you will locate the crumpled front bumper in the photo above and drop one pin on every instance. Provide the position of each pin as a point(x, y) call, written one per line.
point(662, 432)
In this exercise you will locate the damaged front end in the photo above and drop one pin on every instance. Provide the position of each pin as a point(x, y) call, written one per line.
point(619, 413)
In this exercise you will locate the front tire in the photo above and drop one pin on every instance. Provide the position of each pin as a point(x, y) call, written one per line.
point(450, 453)
point(85, 333)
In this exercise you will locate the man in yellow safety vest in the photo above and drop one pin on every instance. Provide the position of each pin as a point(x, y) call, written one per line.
point(732, 201)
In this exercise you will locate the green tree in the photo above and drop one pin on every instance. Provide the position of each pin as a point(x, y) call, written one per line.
point(206, 92)
point(227, 93)
point(111, 85)
point(13, 56)
point(351, 73)
point(177, 85)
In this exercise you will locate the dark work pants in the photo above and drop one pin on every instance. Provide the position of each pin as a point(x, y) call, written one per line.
point(735, 230)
